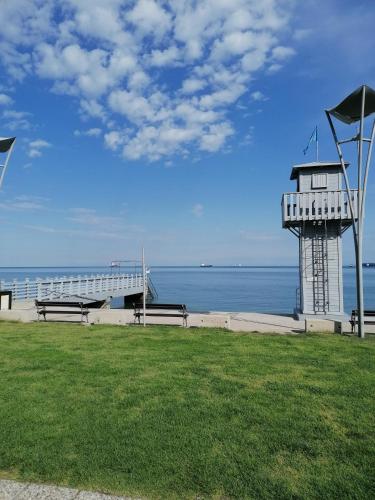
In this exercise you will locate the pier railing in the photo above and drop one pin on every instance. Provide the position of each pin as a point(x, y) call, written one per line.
point(65, 286)
point(317, 205)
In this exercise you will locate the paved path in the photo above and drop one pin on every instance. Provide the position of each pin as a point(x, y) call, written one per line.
point(265, 323)
point(13, 490)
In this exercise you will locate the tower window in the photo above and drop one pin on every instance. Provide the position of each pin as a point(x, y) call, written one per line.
point(319, 181)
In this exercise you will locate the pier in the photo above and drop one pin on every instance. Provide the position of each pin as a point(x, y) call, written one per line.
point(90, 287)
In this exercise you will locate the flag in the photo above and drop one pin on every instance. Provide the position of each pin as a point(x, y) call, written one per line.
point(313, 138)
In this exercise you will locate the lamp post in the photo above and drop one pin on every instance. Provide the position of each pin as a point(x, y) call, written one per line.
point(355, 108)
point(6, 146)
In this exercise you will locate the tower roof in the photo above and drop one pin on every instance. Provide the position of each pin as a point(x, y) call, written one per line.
point(315, 164)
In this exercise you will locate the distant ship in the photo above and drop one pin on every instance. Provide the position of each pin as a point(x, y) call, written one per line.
point(206, 265)
point(369, 264)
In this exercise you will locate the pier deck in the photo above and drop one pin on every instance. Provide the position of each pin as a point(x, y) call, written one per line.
point(91, 287)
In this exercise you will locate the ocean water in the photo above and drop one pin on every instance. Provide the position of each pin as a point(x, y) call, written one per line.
point(259, 289)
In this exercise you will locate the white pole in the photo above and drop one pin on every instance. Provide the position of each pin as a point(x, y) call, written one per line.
point(144, 286)
point(361, 331)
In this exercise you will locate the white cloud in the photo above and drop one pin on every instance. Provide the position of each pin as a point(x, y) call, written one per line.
point(258, 96)
point(281, 53)
point(164, 57)
point(302, 34)
point(93, 109)
point(36, 148)
point(88, 216)
point(91, 132)
point(215, 137)
point(197, 210)
point(115, 59)
point(236, 43)
point(5, 100)
point(192, 85)
point(148, 17)
point(24, 203)
point(274, 68)
point(82, 233)
point(135, 107)
point(113, 139)
point(16, 120)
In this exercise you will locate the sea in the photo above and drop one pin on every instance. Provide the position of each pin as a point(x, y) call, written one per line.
point(218, 288)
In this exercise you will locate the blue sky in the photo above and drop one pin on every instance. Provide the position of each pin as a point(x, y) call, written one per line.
point(169, 124)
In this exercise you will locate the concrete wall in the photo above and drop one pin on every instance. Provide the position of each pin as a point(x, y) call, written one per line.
point(121, 317)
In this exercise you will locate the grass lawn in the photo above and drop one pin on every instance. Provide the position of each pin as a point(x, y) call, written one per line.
point(167, 412)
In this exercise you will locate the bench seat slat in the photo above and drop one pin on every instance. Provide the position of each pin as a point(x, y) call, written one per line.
point(161, 306)
point(59, 311)
point(169, 315)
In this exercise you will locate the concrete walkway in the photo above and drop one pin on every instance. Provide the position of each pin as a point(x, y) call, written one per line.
point(265, 323)
point(13, 490)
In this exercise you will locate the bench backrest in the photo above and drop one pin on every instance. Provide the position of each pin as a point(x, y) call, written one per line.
point(46, 303)
point(365, 313)
point(177, 307)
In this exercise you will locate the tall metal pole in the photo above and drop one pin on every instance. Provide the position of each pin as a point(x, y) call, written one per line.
point(367, 168)
point(144, 286)
point(352, 212)
point(344, 172)
point(347, 111)
point(359, 266)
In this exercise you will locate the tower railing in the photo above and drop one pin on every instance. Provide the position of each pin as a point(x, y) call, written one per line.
point(317, 205)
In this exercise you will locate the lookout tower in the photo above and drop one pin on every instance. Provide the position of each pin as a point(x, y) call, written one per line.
point(318, 213)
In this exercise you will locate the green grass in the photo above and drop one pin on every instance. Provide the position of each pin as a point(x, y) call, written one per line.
point(167, 412)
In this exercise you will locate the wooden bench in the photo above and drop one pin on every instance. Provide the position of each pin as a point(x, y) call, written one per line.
point(44, 307)
point(369, 318)
point(162, 310)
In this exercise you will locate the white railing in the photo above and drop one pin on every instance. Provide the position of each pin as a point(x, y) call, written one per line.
point(65, 286)
point(317, 205)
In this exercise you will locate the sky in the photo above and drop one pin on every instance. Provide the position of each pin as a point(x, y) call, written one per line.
point(170, 124)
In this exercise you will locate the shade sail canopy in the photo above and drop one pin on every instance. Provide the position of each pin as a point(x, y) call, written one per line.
point(6, 143)
point(349, 110)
